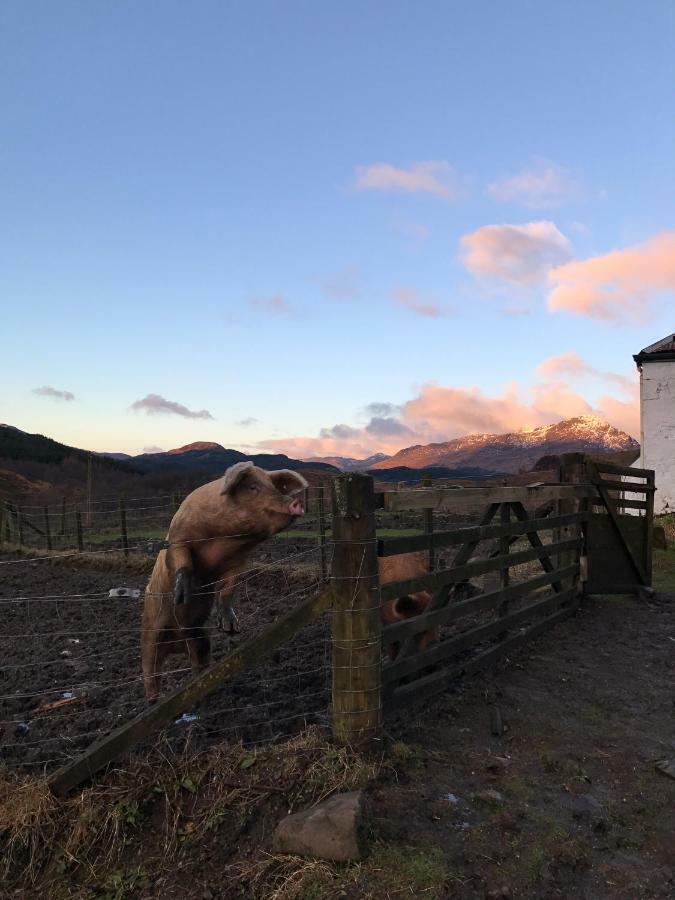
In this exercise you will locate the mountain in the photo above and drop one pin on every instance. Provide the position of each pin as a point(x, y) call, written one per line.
point(19, 445)
point(37, 469)
point(516, 451)
point(348, 463)
point(209, 457)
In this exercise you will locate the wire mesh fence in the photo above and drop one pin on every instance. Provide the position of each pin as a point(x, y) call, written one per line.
point(70, 657)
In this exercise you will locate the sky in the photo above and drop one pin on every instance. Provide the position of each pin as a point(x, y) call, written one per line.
point(331, 228)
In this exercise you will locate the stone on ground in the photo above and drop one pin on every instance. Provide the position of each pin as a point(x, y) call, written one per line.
point(329, 830)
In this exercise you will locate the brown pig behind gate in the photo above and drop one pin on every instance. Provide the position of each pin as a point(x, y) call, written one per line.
point(400, 568)
point(209, 538)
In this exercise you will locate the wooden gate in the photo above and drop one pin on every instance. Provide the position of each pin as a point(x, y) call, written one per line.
point(537, 582)
point(619, 530)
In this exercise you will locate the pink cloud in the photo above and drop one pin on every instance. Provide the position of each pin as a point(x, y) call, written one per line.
point(276, 304)
point(564, 364)
point(616, 286)
point(440, 413)
point(520, 254)
point(431, 177)
point(410, 299)
point(155, 404)
point(541, 185)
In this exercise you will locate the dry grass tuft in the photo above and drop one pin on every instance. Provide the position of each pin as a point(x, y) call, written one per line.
point(28, 821)
point(281, 877)
point(166, 803)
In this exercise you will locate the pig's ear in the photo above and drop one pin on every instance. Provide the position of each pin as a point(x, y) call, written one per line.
point(287, 481)
point(233, 476)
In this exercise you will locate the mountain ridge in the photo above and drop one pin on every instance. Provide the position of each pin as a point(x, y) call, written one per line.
point(514, 451)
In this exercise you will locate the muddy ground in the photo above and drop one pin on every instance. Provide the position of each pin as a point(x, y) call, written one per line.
point(70, 660)
point(565, 802)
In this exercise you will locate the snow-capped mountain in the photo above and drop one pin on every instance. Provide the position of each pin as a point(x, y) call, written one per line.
point(518, 450)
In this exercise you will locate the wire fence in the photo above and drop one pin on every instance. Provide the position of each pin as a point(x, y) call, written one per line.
point(70, 666)
point(137, 524)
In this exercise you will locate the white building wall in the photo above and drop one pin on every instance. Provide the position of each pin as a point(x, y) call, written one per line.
point(657, 426)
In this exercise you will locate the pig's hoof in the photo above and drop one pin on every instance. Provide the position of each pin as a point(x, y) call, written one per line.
point(182, 589)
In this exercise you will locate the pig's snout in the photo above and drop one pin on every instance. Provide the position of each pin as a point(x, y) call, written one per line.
point(296, 508)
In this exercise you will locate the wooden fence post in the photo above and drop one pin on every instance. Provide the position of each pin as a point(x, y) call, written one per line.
point(356, 620)
point(48, 530)
point(78, 525)
point(427, 481)
point(322, 531)
point(572, 471)
point(3, 521)
point(62, 529)
point(123, 527)
point(174, 505)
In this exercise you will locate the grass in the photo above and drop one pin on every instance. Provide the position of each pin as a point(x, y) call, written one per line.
point(166, 805)
point(388, 872)
point(664, 570)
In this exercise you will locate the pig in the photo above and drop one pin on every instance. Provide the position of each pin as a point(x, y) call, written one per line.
point(399, 568)
point(209, 539)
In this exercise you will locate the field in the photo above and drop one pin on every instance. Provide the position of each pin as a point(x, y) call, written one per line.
point(566, 802)
point(71, 666)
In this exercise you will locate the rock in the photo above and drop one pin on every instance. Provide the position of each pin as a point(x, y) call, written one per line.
point(329, 830)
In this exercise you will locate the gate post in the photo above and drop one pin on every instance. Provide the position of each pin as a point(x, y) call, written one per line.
point(572, 471)
point(356, 623)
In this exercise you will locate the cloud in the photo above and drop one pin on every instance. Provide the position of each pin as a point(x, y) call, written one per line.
point(410, 299)
point(343, 285)
point(153, 449)
point(246, 423)
point(564, 364)
point(515, 310)
point(621, 285)
point(573, 366)
point(154, 404)
point(341, 432)
point(276, 305)
point(381, 409)
point(542, 185)
point(431, 177)
point(53, 393)
point(381, 426)
point(520, 254)
point(442, 412)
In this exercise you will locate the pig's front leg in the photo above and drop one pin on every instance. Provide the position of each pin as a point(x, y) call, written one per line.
point(227, 617)
point(180, 562)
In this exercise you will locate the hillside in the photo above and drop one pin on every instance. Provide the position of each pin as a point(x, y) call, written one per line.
point(517, 451)
point(348, 463)
point(38, 469)
point(211, 457)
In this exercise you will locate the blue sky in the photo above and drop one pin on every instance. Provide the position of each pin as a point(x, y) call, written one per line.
point(288, 212)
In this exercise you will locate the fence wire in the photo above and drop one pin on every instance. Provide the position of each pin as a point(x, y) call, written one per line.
point(70, 667)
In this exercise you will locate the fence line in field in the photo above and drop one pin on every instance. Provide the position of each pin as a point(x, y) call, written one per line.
point(108, 698)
